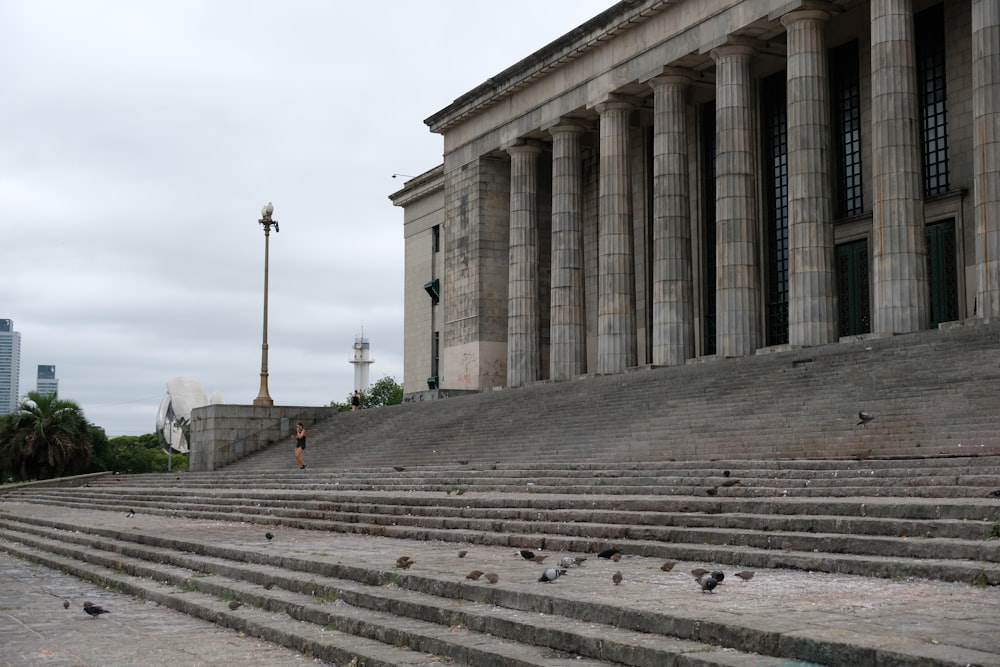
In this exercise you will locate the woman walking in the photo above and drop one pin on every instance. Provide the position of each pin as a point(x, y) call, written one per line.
point(300, 444)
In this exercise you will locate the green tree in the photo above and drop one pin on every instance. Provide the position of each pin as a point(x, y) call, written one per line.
point(45, 437)
point(384, 392)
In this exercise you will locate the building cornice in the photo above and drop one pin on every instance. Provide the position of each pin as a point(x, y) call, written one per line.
point(618, 18)
point(419, 187)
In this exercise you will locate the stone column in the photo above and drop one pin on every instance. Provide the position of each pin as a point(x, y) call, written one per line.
point(616, 333)
point(523, 316)
point(673, 301)
point(568, 327)
point(738, 330)
point(901, 298)
point(812, 306)
point(986, 153)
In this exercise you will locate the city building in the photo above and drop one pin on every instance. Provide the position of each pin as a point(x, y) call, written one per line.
point(46, 382)
point(10, 367)
point(678, 180)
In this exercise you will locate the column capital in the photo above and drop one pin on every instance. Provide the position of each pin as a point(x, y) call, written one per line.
point(615, 101)
point(576, 125)
point(733, 48)
point(666, 75)
point(525, 146)
point(818, 11)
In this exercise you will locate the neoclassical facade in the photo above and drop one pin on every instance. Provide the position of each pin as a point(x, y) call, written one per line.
point(677, 180)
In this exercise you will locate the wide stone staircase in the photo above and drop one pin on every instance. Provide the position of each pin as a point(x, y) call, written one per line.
point(932, 393)
point(886, 520)
point(875, 545)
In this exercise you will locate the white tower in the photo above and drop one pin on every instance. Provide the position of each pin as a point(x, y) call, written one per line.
point(362, 359)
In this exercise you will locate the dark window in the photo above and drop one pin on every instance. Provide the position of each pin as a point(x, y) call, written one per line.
point(775, 130)
point(845, 97)
point(436, 238)
point(708, 221)
point(435, 355)
point(929, 28)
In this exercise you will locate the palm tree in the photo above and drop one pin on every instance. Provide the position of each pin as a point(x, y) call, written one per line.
point(44, 438)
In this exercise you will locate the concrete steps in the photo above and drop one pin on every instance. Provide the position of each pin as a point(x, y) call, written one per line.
point(933, 393)
point(929, 518)
point(345, 612)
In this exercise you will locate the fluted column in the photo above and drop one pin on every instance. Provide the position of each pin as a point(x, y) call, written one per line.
point(900, 263)
point(673, 301)
point(567, 326)
point(738, 330)
point(616, 333)
point(812, 307)
point(523, 316)
point(986, 152)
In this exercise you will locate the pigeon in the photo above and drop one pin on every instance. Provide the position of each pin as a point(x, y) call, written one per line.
point(617, 578)
point(492, 577)
point(608, 553)
point(745, 575)
point(707, 584)
point(712, 491)
point(719, 575)
point(699, 572)
point(526, 554)
point(235, 604)
point(539, 558)
point(550, 575)
point(460, 492)
point(995, 494)
point(617, 557)
point(269, 536)
point(131, 513)
point(567, 561)
point(864, 418)
point(461, 554)
point(474, 575)
point(398, 468)
point(726, 473)
point(669, 565)
point(463, 463)
point(94, 610)
point(730, 482)
point(65, 604)
point(404, 562)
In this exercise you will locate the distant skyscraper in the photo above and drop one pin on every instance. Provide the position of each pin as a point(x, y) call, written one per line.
point(362, 359)
point(46, 383)
point(10, 366)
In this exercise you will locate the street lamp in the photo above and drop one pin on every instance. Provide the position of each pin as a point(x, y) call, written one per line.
point(263, 398)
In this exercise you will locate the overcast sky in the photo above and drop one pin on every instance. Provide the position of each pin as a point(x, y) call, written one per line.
point(139, 140)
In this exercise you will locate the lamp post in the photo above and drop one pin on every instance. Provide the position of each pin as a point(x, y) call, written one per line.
point(263, 398)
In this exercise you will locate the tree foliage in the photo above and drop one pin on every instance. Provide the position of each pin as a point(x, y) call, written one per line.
point(45, 437)
point(385, 391)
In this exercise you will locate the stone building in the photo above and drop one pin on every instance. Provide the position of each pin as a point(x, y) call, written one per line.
point(687, 179)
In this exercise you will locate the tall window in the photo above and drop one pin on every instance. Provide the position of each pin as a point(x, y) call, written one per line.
point(708, 221)
point(436, 238)
point(775, 131)
point(845, 97)
point(929, 28)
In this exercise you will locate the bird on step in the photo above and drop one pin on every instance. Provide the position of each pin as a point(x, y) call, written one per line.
point(617, 578)
point(94, 610)
point(550, 575)
point(608, 553)
point(745, 575)
point(669, 565)
point(864, 418)
point(707, 584)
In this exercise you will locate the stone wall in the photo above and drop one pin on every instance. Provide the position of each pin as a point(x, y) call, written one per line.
point(221, 434)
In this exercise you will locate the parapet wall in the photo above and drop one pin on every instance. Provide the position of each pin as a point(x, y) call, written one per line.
point(221, 434)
